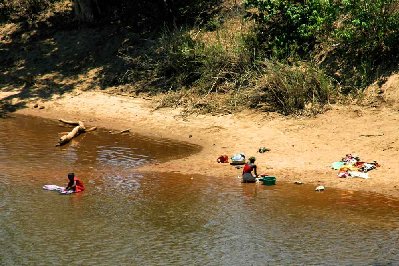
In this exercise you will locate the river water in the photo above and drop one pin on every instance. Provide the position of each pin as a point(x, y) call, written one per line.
point(126, 218)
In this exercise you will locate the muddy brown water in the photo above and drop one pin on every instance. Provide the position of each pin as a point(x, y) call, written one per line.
point(126, 218)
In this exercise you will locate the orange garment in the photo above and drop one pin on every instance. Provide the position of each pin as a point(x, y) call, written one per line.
point(348, 167)
point(79, 185)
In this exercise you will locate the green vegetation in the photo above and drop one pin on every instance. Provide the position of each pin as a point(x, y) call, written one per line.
point(367, 37)
point(357, 39)
point(290, 28)
point(210, 56)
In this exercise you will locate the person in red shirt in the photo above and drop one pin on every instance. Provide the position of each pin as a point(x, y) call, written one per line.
point(247, 176)
point(74, 184)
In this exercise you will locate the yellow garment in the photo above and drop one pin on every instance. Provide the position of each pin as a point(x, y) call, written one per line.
point(348, 167)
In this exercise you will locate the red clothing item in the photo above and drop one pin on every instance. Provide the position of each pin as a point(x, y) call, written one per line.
point(223, 159)
point(247, 168)
point(79, 185)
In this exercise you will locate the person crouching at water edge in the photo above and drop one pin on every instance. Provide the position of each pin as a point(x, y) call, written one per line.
point(247, 176)
point(74, 184)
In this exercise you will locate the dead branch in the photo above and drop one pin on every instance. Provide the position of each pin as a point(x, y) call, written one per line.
point(76, 131)
point(91, 129)
point(73, 123)
point(120, 132)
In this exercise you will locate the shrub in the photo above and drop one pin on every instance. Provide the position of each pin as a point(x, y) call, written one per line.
point(292, 89)
point(178, 59)
point(17, 10)
point(359, 37)
point(367, 34)
point(183, 61)
point(290, 28)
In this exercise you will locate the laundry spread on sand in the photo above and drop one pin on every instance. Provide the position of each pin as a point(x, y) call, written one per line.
point(223, 159)
point(238, 158)
point(352, 166)
point(263, 149)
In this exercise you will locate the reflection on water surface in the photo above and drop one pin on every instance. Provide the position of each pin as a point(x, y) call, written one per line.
point(126, 218)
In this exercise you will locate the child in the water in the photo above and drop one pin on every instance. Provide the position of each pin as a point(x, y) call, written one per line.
point(74, 184)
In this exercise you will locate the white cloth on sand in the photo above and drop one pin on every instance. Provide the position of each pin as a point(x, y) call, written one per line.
point(358, 174)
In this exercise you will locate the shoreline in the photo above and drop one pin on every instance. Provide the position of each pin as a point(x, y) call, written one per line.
point(301, 149)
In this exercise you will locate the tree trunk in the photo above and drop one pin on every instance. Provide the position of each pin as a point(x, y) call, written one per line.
point(86, 10)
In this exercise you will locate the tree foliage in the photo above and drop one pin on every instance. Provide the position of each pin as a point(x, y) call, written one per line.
point(367, 38)
point(361, 34)
point(290, 27)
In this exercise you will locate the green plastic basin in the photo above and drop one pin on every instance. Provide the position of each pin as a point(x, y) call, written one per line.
point(269, 180)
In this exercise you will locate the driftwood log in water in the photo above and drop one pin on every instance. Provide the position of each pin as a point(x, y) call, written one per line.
point(76, 131)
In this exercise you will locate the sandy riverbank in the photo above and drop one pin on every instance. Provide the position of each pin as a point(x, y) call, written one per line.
point(301, 149)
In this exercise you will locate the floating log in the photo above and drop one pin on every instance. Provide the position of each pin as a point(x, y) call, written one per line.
point(76, 131)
